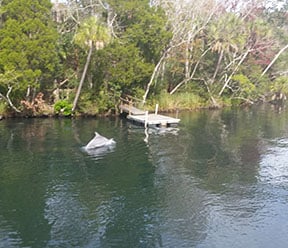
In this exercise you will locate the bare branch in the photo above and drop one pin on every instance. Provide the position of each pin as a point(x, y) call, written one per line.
point(191, 76)
point(234, 71)
point(154, 74)
point(8, 100)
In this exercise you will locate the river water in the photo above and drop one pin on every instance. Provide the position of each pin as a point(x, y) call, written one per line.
point(218, 180)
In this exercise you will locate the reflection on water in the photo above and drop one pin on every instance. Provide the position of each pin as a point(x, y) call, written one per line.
point(100, 152)
point(274, 167)
point(218, 180)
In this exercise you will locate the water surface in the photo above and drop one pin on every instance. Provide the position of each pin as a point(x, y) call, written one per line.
point(219, 180)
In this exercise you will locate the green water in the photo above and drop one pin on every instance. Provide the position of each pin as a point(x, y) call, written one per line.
point(218, 180)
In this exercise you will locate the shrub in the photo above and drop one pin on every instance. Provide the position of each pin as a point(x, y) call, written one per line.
point(63, 107)
point(37, 107)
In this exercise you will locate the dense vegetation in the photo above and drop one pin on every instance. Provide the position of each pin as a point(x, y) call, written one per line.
point(81, 56)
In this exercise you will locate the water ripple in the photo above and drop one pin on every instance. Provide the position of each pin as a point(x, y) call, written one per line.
point(274, 166)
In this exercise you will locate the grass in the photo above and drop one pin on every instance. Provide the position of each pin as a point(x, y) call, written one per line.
point(181, 101)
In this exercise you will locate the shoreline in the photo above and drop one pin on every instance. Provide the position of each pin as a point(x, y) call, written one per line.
point(108, 114)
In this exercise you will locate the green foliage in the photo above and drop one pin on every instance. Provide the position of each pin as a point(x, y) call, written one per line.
point(91, 31)
point(90, 34)
point(242, 90)
point(143, 26)
point(34, 58)
point(123, 67)
point(28, 44)
point(227, 33)
point(280, 85)
point(9, 79)
point(3, 108)
point(91, 105)
point(63, 107)
point(149, 33)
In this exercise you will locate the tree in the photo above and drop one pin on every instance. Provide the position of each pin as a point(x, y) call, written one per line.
point(123, 69)
point(139, 34)
point(142, 34)
point(277, 17)
point(28, 42)
point(212, 42)
point(274, 59)
point(91, 34)
point(187, 20)
point(143, 25)
point(71, 13)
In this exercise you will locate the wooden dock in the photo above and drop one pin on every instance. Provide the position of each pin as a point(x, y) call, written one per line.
point(148, 120)
point(129, 109)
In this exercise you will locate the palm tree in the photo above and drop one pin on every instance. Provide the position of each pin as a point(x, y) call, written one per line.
point(91, 34)
point(227, 38)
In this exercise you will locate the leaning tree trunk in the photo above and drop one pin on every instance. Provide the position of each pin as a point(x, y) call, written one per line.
point(8, 100)
point(217, 66)
point(82, 78)
point(234, 71)
point(275, 58)
point(156, 70)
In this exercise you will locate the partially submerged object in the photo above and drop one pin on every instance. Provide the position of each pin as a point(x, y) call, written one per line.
point(99, 152)
point(99, 141)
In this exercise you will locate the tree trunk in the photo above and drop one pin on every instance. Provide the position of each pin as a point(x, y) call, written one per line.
point(217, 66)
point(192, 75)
point(234, 71)
point(154, 74)
point(8, 100)
point(273, 61)
point(82, 78)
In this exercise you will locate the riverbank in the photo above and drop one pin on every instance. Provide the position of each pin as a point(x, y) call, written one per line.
point(164, 105)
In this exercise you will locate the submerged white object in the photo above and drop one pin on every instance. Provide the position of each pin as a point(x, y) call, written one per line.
point(99, 141)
